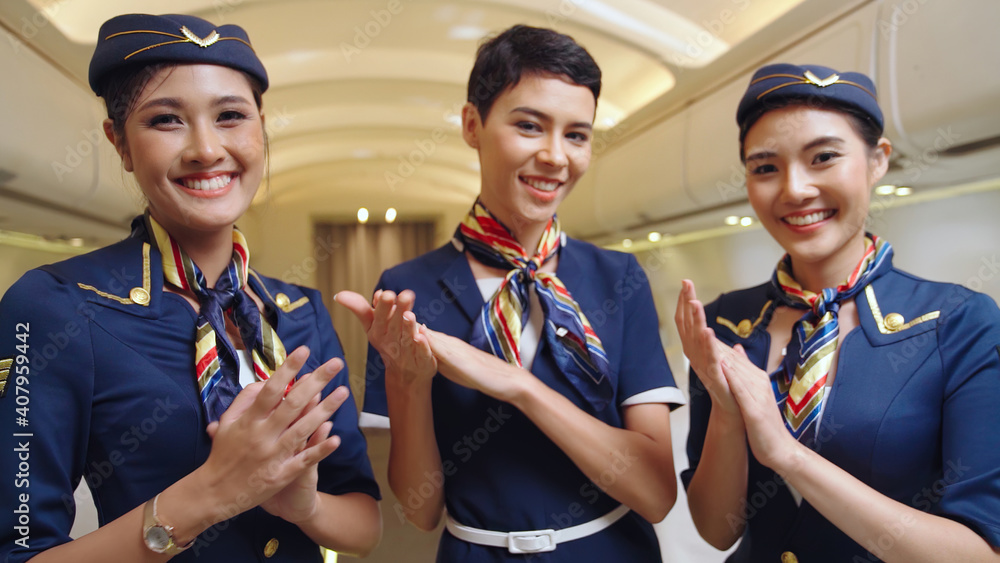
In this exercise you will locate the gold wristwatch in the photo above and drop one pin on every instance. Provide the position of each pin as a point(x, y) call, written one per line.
point(157, 536)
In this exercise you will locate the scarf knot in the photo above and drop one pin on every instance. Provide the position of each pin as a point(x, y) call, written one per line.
point(799, 383)
point(577, 349)
point(217, 363)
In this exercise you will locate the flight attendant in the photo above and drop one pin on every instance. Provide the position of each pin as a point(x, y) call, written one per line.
point(846, 410)
point(156, 368)
point(553, 444)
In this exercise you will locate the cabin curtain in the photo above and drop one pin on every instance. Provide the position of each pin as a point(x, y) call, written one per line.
point(358, 255)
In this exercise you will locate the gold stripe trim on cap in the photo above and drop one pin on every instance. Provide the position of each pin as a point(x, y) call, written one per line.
point(896, 324)
point(808, 78)
point(137, 295)
point(188, 37)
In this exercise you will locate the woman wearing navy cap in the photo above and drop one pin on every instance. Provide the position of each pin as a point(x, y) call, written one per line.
point(156, 368)
point(554, 443)
point(874, 436)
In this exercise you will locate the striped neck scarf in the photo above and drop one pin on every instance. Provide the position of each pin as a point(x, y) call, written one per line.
point(576, 347)
point(799, 384)
point(217, 365)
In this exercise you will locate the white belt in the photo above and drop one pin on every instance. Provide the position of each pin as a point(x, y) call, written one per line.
point(533, 541)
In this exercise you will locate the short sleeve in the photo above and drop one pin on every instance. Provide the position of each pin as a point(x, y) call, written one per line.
point(347, 469)
point(700, 409)
point(645, 376)
point(45, 406)
point(969, 340)
point(375, 411)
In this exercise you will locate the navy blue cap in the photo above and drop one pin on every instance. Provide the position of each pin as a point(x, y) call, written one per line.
point(809, 82)
point(143, 39)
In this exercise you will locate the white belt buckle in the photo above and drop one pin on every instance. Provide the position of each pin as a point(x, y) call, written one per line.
point(534, 541)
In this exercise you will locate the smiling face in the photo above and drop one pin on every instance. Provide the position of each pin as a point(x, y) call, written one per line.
point(195, 144)
point(808, 178)
point(533, 147)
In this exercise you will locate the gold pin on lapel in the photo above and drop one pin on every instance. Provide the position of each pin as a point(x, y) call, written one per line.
point(894, 322)
point(744, 328)
point(211, 39)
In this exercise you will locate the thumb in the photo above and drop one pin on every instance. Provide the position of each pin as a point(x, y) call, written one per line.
point(358, 305)
point(212, 429)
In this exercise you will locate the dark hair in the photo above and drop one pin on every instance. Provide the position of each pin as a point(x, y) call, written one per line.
point(524, 50)
point(862, 123)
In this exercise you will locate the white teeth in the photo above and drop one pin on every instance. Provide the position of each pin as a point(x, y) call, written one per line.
point(210, 184)
point(540, 185)
point(803, 220)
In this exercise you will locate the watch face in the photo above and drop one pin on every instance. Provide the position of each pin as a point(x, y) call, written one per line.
point(157, 539)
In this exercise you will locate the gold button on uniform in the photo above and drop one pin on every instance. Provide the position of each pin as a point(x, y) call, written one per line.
point(282, 300)
point(744, 328)
point(271, 547)
point(894, 322)
point(139, 296)
point(789, 557)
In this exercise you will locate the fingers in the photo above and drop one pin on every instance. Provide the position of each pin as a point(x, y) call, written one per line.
point(385, 305)
point(419, 347)
point(272, 391)
point(358, 305)
point(305, 428)
point(297, 400)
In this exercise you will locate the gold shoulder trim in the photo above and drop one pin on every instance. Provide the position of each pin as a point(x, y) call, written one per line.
point(894, 322)
point(137, 295)
point(4, 374)
point(746, 326)
point(281, 300)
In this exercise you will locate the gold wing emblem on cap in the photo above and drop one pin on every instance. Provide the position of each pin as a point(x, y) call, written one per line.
point(189, 37)
point(832, 79)
point(807, 78)
point(211, 39)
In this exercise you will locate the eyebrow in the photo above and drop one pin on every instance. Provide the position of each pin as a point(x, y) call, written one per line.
point(819, 141)
point(548, 118)
point(176, 103)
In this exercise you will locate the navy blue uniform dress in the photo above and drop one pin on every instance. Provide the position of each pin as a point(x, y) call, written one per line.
point(501, 472)
point(913, 413)
point(112, 398)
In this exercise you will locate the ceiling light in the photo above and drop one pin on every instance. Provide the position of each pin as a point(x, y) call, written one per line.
point(75, 242)
point(467, 32)
point(732, 220)
point(362, 215)
point(654, 236)
point(627, 243)
point(886, 189)
point(390, 215)
point(904, 191)
point(746, 221)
